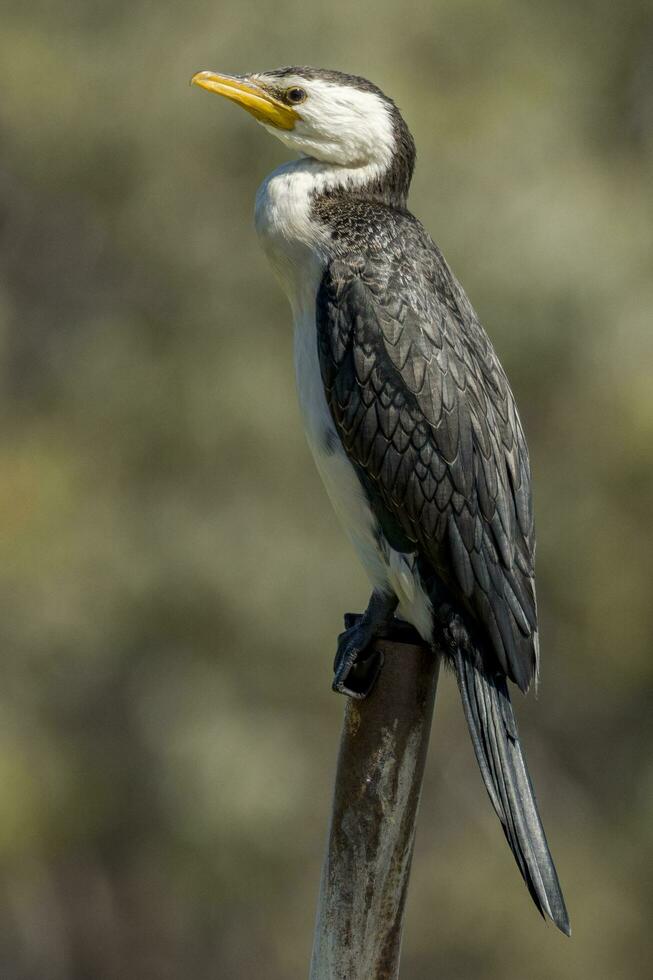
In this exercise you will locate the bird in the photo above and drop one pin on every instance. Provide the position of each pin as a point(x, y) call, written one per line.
point(409, 416)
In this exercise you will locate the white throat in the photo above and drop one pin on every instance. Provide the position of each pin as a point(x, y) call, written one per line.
point(296, 242)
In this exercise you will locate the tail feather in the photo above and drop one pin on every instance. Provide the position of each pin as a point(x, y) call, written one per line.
point(493, 729)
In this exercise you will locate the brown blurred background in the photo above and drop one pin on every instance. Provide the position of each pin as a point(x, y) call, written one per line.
point(172, 576)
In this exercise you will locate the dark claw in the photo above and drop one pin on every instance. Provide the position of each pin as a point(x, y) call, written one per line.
point(356, 668)
point(358, 679)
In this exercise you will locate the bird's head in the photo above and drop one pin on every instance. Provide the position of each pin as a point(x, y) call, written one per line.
point(338, 119)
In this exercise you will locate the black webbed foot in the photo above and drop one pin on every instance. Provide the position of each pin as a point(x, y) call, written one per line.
point(357, 666)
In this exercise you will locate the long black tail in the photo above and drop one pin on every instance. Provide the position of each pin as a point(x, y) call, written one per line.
point(494, 733)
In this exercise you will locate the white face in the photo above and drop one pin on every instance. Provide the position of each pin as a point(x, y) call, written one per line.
point(337, 123)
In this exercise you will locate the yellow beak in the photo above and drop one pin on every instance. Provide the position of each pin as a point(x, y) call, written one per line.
point(260, 103)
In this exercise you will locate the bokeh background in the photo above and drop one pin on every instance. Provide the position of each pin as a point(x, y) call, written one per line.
point(172, 576)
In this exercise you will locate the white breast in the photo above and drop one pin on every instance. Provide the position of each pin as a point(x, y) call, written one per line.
point(338, 474)
point(298, 249)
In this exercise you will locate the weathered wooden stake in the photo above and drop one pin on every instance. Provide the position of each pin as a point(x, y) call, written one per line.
point(378, 782)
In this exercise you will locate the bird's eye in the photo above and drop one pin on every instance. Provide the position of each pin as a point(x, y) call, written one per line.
point(295, 95)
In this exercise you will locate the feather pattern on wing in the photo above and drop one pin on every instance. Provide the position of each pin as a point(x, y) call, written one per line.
point(424, 409)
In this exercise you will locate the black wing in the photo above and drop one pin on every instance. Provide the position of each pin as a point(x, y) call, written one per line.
point(426, 413)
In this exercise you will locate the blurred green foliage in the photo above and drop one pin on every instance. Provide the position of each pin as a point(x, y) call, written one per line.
point(172, 577)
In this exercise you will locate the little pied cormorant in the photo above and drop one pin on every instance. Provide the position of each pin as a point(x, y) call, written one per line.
point(409, 416)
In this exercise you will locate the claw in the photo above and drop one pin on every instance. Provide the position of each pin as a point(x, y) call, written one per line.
point(356, 670)
point(358, 678)
point(357, 665)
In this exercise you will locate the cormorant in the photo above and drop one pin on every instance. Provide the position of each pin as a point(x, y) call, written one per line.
point(409, 416)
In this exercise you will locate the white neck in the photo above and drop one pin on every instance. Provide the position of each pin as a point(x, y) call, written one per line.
point(283, 201)
point(292, 238)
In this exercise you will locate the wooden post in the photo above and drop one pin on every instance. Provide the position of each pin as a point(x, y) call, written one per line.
point(378, 782)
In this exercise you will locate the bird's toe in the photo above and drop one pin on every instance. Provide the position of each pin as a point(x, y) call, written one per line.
point(357, 665)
